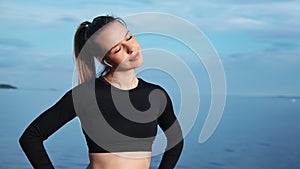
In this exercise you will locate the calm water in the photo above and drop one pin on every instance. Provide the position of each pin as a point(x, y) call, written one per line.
point(254, 133)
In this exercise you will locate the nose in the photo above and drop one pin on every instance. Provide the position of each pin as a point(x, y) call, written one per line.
point(129, 47)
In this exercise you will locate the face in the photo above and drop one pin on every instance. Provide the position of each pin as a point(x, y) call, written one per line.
point(120, 48)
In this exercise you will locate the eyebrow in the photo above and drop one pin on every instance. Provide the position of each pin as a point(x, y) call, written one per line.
point(119, 42)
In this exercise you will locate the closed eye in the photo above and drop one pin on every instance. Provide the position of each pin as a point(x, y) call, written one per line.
point(130, 37)
point(117, 49)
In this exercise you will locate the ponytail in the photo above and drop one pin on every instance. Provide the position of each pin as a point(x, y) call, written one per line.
point(85, 64)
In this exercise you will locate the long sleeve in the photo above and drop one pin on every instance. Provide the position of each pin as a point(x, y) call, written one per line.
point(42, 127)
point(171, 127)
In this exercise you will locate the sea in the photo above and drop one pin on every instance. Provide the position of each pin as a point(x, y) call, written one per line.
point(255, 132)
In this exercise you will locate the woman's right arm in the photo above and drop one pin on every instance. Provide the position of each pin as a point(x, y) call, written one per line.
point(42, 127)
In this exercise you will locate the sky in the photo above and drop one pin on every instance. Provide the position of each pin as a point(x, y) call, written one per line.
point(257, 41)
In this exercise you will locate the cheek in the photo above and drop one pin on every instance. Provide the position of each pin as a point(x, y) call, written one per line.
point(116, 59)
point(136, 42)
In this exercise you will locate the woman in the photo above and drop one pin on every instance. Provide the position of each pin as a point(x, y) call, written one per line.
point(108, 39)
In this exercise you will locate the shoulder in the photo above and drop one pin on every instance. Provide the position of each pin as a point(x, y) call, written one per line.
point(83, 93)
point(153, 86)
point(148, 84)
point(88, 86)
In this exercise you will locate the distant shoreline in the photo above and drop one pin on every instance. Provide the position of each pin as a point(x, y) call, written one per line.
point(7, 86)
point(287, 97)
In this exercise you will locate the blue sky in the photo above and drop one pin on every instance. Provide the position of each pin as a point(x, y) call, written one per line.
point(257, 41)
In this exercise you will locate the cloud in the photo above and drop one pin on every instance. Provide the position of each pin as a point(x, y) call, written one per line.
point(36, 36)
point(18, 57)
point(269, 57)
point(242, 16)
point(246, 21)
point(10, 51)
point(265, 17)
point(263, 71)
point(69, 19)
point(251, 1)
point(282, 46)
point(13, 43)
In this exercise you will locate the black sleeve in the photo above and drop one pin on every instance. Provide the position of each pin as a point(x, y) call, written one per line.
point(42, 127)
point(171, 127)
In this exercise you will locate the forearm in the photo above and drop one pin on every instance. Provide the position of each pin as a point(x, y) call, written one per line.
point(171, 156)
point(44, 126)
point(34, 150)
point(172, 130)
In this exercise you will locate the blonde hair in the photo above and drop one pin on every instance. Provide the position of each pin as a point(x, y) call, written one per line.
point(85, 68)
point(85, 61)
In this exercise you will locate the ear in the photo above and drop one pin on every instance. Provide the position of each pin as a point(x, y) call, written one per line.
point(103, 61)
point(106, 63)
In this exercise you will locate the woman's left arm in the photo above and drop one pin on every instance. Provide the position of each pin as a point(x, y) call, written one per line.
point(171, 127)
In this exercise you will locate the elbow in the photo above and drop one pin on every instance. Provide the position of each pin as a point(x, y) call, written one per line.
point(31, 135)
point(28, 138)
point(23, 140)
point(176, 145)
point(27, 141)
point(180, 144)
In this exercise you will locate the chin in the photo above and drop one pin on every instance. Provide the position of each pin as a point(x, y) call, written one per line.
point(139, 62)
point(131, 65)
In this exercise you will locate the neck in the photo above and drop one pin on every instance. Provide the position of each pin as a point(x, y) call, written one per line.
point(122, 79)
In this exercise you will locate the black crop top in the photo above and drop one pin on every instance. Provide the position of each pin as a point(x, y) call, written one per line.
point(122, 128)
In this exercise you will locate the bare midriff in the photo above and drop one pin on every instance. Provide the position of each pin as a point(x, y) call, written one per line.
point(120, 160)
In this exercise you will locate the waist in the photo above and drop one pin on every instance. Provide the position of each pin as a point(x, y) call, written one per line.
point(120, 160)
point(125, 144)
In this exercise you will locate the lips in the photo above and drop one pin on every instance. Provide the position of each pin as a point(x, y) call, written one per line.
point(135, 56)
